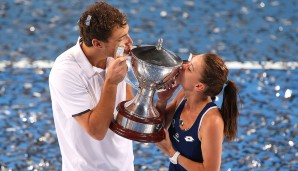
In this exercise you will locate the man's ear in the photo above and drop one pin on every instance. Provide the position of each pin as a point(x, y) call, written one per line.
point(97, 43)
point(200, 86)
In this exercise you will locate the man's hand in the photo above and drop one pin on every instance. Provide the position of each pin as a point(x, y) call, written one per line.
point(117, 70)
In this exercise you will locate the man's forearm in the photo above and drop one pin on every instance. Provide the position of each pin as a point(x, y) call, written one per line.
point(102, 115)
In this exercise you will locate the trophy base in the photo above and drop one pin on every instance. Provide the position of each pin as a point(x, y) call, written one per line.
point(148, 130)
point(136, 136)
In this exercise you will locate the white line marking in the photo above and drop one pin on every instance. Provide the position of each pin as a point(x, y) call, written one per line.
point(25, 63)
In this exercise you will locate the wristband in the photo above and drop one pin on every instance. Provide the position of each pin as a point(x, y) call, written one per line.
point(174, 158)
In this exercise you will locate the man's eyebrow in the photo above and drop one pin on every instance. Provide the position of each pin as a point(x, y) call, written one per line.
point(122, 36)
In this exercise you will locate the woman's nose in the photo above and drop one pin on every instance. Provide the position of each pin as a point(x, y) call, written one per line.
point(185, 64)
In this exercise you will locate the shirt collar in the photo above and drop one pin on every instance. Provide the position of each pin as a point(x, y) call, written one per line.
point(83, 62)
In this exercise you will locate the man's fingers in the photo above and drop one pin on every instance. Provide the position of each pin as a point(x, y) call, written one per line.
point(121, 59)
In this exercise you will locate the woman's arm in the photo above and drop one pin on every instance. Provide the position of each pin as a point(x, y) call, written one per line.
point(129, 92)
point(166, 147)
point(168, 110)
point(211, 135)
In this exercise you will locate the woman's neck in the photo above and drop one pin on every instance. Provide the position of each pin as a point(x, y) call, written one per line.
point(196, 103)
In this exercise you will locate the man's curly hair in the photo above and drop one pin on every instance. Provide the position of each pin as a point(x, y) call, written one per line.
point(104, 18)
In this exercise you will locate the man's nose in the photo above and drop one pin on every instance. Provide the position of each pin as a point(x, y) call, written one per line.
point(129, 40)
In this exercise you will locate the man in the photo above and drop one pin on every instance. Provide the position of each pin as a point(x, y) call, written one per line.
point(86, 84)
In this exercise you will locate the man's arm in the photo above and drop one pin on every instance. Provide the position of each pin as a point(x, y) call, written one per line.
point(97, 121)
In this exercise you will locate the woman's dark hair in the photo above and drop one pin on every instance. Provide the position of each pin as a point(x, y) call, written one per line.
point(104, 18)
point(215, 76)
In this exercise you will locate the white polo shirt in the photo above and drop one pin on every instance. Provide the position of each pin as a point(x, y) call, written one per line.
point(75, 87)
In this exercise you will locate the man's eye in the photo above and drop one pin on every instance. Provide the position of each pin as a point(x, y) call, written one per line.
point(122, 38)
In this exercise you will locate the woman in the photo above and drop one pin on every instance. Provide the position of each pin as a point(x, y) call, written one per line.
point(196, 126)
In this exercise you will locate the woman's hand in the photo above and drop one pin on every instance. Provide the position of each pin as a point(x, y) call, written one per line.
point(164, 96)
point(165, 145)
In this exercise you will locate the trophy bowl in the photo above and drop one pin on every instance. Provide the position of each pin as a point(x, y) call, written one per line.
point(138, 119)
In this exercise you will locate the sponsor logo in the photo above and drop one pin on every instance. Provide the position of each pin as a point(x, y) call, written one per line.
point(189, 139)
point(173, 123)
point(176, 137)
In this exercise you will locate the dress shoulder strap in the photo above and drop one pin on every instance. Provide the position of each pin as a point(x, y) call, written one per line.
point(209, 106)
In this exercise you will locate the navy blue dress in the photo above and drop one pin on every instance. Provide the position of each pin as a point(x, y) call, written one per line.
point(187, 142)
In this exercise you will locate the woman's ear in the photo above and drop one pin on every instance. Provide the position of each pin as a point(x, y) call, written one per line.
point(200, 86)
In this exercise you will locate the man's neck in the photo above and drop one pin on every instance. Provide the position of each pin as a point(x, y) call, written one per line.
point(94, 57)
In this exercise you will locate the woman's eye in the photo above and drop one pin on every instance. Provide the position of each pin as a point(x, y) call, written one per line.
point(190, 68)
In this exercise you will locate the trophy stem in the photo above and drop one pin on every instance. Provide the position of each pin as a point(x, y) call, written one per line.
point(142, 104)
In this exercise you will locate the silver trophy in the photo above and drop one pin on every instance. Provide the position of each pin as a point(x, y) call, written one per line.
point(138, 119)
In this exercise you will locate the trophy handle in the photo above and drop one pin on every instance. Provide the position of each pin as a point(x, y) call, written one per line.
point(130, 77)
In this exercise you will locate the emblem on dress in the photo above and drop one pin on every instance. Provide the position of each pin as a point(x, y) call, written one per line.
point(176, 137)
point(189, 138)
point(173, 123)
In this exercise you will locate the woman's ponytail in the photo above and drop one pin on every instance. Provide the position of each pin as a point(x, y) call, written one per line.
point(215, 75)
point(229, 110)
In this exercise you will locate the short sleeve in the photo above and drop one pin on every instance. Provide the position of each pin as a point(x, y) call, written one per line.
point(69, 92)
